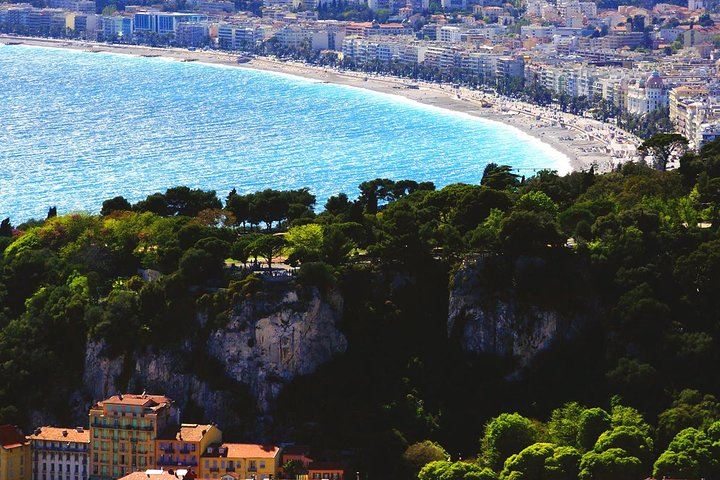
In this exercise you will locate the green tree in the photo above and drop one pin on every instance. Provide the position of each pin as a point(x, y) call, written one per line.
point(268, 247)
point(593, 423)
point(506, 435)
point(689, 409)
point(538, 202)
point(542, 461)
point(115, 204)
point(612, 464)
point(420, 454)
point(499, 177)
point(663, 146)
point(305, 242)
point(691, 454)
point(564, 425)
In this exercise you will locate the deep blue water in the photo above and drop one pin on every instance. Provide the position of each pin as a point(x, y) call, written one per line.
point(77, 128)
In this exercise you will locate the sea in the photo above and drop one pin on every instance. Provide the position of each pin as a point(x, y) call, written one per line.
point(77, 128)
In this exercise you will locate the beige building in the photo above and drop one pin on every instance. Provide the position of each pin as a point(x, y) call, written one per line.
point(123, 430)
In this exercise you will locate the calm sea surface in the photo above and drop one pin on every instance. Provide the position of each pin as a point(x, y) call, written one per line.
point(77, 128)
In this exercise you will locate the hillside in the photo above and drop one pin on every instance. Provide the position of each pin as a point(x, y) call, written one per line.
point(414, 314)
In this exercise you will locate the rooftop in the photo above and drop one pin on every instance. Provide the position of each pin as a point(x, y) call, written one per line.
point(142, 400)
point(188, 432)
point(59, 434)
point(245, 450)
point(11, 437)
point(159, 475)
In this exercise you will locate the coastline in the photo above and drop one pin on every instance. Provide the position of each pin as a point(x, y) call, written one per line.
point(583, 142)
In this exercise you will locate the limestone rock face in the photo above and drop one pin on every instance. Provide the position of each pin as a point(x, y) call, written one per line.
point(267, 342)
point(503, 325)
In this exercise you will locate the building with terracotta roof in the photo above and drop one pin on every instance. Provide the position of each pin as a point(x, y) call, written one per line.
point(160, 474)
point(14, 454)
point(183, 445)
point(60, 453)
point(123, 430)
point(243, 460)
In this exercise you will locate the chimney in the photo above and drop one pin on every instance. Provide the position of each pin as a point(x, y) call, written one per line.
point(64, 433)
point(79, 429)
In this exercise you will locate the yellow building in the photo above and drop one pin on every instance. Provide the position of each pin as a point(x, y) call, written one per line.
point(240, 460)
point(123, 430)
point(182, 447)
point(14, 454)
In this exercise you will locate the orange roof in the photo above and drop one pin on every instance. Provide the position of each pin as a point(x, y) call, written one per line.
point(155, 475)
point(58, 434)
point(11, 437)
point(250, 450)
point(137, 400)
point(188, 432)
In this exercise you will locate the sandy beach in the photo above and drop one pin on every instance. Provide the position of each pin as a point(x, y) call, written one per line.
point(585, 142)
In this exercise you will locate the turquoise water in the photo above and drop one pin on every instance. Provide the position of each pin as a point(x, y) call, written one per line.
point(77, 128)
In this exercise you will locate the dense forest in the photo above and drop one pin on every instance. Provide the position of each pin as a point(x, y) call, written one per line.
point(632, 394)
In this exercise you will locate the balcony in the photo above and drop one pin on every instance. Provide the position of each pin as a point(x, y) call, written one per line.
point(123, 427)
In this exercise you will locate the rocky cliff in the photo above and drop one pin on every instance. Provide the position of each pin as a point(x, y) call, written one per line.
point(496, 320)
point(266, 341)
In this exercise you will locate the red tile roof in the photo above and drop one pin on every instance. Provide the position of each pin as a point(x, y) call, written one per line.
point(58, 434)
point(187, 432)
point(138, 400)
point(11, 437)
point(250, 450)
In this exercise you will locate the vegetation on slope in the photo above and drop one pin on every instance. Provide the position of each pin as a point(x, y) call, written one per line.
point(645, 242)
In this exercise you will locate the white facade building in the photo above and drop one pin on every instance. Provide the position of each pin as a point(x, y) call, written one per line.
point(61, 453)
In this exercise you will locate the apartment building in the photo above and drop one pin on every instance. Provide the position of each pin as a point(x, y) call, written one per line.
point(60, 453)
point(192, 34)
point(242, 460)
point(164, 23)
point(182, 446)
point(123, 430)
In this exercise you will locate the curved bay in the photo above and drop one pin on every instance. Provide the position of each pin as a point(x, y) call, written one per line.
point(77, 128)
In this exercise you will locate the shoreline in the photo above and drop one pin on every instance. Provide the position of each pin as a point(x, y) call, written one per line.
point(582, 142)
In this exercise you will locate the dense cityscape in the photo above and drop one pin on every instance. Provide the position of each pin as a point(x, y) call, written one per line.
point(619, 63)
